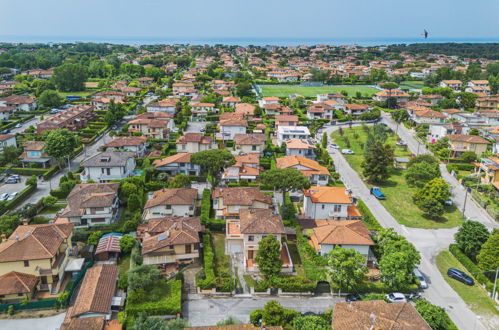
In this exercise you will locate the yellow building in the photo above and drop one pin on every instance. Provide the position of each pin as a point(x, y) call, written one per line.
point(490, 166)
point(461, 143)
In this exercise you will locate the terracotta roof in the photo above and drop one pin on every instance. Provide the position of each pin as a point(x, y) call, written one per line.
point(247, 159)
point(195, 138)
point(235, 327)
point(96, 291)
point(172, 196)
point(34, 145)
point(125, 141)
point(333, 195)
point(241, 195)
point(183, 157)
point(452, 111)
point(5, 137)
point(17, 99)
point(245, 108)
point(231, 99)
point(15, 283)
point(429, 114)
point(250, 139)
point(319, 107)
point(171, 231)
point(109, 243)
point(362, 315)
point(467, 138)
point(32, 242)
point(311, 166)
point(299, 144)
point(271, 98)
point(343, 232)
point(355, 106)
point(87, 323)
point(260, 221)
point(452, 82)
point(85, 195)
point(288, 118)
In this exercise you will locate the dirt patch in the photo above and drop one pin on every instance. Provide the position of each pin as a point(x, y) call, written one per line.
point(32, 313)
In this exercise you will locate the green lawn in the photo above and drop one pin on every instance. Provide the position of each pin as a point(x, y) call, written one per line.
point(124, 264)
point(414, 84)
point(474, 296)
point(399, 195)
point(222, 260)
point(285, 91)
point(82, 93)
point(295, 257)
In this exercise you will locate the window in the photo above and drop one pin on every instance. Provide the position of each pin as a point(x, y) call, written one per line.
point(26, 263)
point(323, 206)
point(337, 208)
point(188, 248)
point(253, 147)
point(19, 294)
point(251, 238)
point(168, 207)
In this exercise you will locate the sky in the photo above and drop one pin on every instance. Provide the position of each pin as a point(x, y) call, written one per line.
point(293, 19)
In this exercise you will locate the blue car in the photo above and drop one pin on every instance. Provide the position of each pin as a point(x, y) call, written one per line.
point(377, 193)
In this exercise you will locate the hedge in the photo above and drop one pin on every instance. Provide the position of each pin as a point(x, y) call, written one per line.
point(53, 170)
point(471, 267)
point(171, 304)
point(208, 265)
point(378, 287)
point(295, 284)
point(216, 225)
point(205, 206)
point(25, 170)
point(18, 199)
point(460, 167)
point(367, 216)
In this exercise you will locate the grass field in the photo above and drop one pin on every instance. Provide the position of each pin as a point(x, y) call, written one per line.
point(399, 195)
point(474, 296)
point(285, 91)
point(82, 94)
point(415, 84)
point(222, 260)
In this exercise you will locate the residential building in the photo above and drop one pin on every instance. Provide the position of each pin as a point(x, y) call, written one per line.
point(433, 99)
point(268, 100)
point(292, 132)
point(164, 106)
point(329, 203)
point(145, 81)
point(34, 153)
point(490, 167)
point(19, 102)
point(16, 286)
point(243, 235)
point(103, 103)
point(454, 84)
point(487, 103)
point(355, 109)
point(401, 96)
point(228, 201)
point(130, 91)
point(38, 250)
point(231, 101)
point(428, 117)
point(73, 118)
point(438, 131)
point(7, 140)
point(320, 111)
point(135, 144)
point(286, 120)
point(108, 248)
point(300, 147)
point(253, 143)
point(201, 110)
point(317, 174)
point(171, 202)
point(337, 97)
point(195, 142)
point(6, 112)
point(155, 125)
point(461, 143)
point(107, 166)
point(377, 314)
point(247, 110)
point(231, 125)
point(247, 167)
point(173, 240)
point(177, 164)
point(91, 204)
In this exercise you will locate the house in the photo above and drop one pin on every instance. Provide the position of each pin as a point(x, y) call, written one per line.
point(135, 144)
point(461, 143)
point(177, 164)
point(355, 109)
point(329, 203)
point(487, 103)
point(228, 201)
point(247, 110)
point(428, 117)
point(6, 112)
point(438, 131)
point(433, 99)
point(401, 96)
point(320, 111)
point(201, 110)
point(377, 314)
point(173, 240)
point(286, 120)
point(108, 165)
point(247, 167)
point(130, 91)
point(96, 296)
point(165, 106)
point(478, 87)
point(195, 142)
point(454, 84)
point(268, 100)
point(91, 204)
point(253, 143)
point(337, 97)
point(145, 81)
point(19, 102)
point(103, 103)
point(490, 168)
point(230, 126)
point(39, 73)
point(7, 140)
point(292, 132)
point(231, 101)
point(317, 174)
point(171, 202)
point(16, 286)
point(300, 147)
point(347, 234)
point(34, 153)
point(38, 250)
point(155, 125)
point(108, 247)
point(73, 118)
point(243, 235)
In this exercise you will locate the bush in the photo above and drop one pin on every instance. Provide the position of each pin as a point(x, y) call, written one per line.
point(295, 284)
point(205, 206)
point(169, 304)
point(208, 265)
point(471, 267)
point(367, 216)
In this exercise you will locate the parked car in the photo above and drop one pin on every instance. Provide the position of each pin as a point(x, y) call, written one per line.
point(460, 276)
point(202, 129)
point(12, 196)
point(18, 126)
point(54, 111)
point(6, 131)
point(449, 202)
point(13, 179)
point(4, 196)
point(347, 151)
point(377, 193)
point(422, 280)
point(401, 143)
point(396, 297)
point(382, 124)
point(353, 297)
point(334, 146)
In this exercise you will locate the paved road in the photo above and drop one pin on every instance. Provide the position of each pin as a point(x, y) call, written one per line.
point(195, 126)
point(32, 122)
point(429, 242)
point(210, 311)
point(46, 323)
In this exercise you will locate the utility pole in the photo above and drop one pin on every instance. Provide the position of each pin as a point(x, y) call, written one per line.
point(465, 198)
point(495, 285)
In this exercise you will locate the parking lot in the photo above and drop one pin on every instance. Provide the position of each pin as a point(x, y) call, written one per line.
point(10, 188)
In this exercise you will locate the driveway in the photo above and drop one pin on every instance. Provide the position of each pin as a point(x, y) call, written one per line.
point(46, 323)
point(210, 311)
point(195, 126)
point(32, 122)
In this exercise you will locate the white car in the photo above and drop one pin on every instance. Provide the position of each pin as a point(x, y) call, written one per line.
point(347, 152)
point(12, 196)
point(396, 297)
point(4, 196)
point(422, 280)
point(334, 146)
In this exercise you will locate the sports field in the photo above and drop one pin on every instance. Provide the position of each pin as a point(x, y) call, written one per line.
point(285, 91)
point(412, 84)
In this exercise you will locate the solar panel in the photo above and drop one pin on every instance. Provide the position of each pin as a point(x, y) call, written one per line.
point(162, 237)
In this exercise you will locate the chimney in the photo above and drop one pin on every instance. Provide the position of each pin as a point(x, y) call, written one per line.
point(4, 238)
point(25, 221)
point(17, 237)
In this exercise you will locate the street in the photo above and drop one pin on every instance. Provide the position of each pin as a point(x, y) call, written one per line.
point(32, 122)
point(44, 323)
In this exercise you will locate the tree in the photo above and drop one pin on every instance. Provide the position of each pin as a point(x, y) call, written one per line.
point(8, 224)
point(324, 140)
point(177, 324)
point(435, 316)
point(49, 99)
point(70, 77)
point(180, 181)
point(144, 322)
point(126, 189)
point(488, 258)
point(310, 322)
point(469, 156)
point(126, 243)
point(60, 143)
point(115, 112)
point(134, 202)
point(32, 181)
point(244, 89)
point(378, 160)
point(285, 179)
point(436, 189)
point(470, 237)
point(432, 208)
point(346, 267)
point(27, 211)
point(10, 154)
point(94, 237)
point(268, 256)
point(419, 174)
point(396, 269)
point(273, 314)
point(214, 160)
point(143, 277)
point(49, 201)
point(400, 115)
point(427, 158)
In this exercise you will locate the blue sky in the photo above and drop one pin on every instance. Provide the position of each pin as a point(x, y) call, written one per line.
point(250, 18)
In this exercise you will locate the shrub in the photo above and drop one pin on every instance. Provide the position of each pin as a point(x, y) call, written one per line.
point(367, 216)
point(205, 206)
point(169, 304)
point(208, 264)
point(295, 284)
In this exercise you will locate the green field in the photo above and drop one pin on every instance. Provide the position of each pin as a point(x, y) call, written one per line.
point(415, 84)
point(285, 91)
point(399, 195)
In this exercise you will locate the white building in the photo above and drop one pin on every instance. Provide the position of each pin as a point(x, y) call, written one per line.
point(329, 203)
point(107, 166)
point(292, 132)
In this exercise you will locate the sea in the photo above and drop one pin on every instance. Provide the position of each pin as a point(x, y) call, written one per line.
point(241, 41)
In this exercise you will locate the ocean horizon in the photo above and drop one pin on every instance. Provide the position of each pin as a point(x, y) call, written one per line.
point(232, 41)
